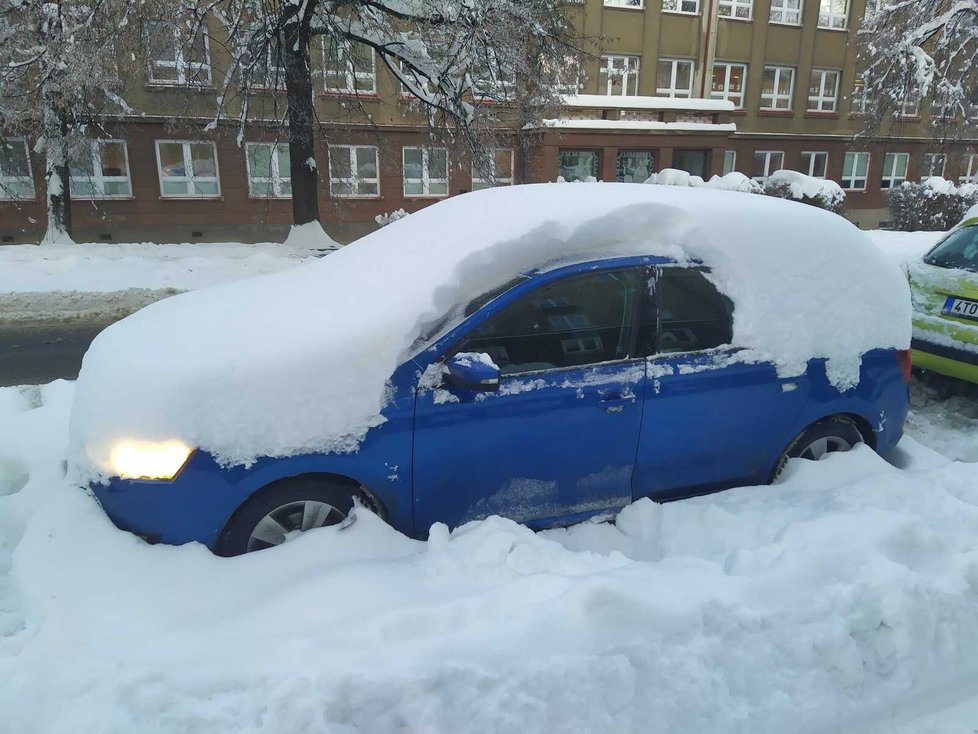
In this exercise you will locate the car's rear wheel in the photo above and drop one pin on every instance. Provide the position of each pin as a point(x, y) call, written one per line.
point(284, 510)
point(828, 436)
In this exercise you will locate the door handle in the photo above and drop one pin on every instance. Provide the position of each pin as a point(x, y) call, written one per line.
point(615, 403)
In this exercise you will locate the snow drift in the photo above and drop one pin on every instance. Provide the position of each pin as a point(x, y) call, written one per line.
point(298, 361)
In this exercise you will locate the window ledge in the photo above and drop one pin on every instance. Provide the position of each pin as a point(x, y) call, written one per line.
point(739, 112)
point(348, 197)
point(737, 20)
point(837, 30)
point(356, 95)
point(160, 86)
point(775, 113)
point(639, 8)
point(103, 198)
point(259, 197)
point(822, 114)
point(783, 24)
point(424, 197)
point(908, 118)
point(681, 12)
point(22, 200)
point(192, 198)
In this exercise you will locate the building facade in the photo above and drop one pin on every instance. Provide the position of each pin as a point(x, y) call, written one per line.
point(707, 86)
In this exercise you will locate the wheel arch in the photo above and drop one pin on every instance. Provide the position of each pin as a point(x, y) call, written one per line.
point(861, 424)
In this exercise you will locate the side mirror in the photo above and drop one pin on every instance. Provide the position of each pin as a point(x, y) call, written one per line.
point(473, 371)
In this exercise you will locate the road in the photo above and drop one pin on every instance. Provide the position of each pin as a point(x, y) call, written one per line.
point(38, 351)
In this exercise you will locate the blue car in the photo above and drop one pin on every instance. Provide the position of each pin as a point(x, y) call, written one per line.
point(561, 395)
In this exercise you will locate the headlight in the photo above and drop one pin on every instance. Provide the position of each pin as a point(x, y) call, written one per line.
point(148, 459)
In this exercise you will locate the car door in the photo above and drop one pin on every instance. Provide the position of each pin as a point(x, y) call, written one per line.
point(556, 442)
point(711, 419)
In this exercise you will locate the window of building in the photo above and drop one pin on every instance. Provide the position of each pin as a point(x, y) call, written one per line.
point(833, 14)
point(619, 75)
point(635, 166)
point(932, 164)
point(172, 61)
point(767, 162)
point(350, 68)
point(681, 6)
point(787, 12)
point(100, 171)
point(691, 160)
point(674, 78)
point(815, 164)
point(354, 171)
point(739, 9)
point(729, 81)
point(492, 81)
point(565, 74)
point(269, 170)
point(777, 88)
point(624, 3)
point(496, 170)
point(855, 170)
point(16, 180)
point(729, 161)
point(823, 91)
point(425, 171)
point(859, 97)
point(578, 165)
point(894, 169)
point(576, 321)
point(969, 164)
point(188, 169)
point(693, 314)
point(910, 105)
point(264, 63)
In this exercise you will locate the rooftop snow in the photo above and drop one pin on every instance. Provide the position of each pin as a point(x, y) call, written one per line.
point(725, 127)
point(636, 102)
point(298, 361)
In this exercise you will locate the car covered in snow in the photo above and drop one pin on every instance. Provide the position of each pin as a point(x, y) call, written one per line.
point(548, 353)
point(944, 289)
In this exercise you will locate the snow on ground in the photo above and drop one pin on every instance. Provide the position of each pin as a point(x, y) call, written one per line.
point(843, 599)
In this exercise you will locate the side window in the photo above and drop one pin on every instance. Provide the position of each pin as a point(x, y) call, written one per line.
point(693, 314)
point(578, 321)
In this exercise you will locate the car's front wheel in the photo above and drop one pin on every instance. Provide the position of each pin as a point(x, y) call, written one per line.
point(283, 510)
point(828, 436)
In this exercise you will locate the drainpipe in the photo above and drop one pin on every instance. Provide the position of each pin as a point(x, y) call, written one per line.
point(709, 46)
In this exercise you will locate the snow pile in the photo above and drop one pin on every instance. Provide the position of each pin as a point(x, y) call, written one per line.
point(390, 217)
point(847, 591)
point(734, 181)
point(298, 361)
point(310, 236)
point(674, 177)
point(800, 186)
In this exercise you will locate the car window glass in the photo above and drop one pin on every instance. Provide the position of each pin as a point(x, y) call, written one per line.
point(577, 321)
point(693, 314)
point(958, 250)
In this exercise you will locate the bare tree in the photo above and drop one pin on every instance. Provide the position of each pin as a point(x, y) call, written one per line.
point(475, 68)
point(917, 52)
point(59, 79)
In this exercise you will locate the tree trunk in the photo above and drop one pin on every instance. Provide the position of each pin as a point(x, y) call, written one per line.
point(57, 177)
point(302, 141)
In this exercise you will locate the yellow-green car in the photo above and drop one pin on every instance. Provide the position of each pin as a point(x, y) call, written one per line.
point(944, 288)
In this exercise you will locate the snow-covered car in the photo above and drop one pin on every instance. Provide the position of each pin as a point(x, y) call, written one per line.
point(944, 288)
point(548, 353)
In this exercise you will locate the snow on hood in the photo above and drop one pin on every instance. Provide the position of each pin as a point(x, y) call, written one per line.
point(299, 361)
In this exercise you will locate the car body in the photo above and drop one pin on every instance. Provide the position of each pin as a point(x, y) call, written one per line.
point(665, 408)
point(944, 289)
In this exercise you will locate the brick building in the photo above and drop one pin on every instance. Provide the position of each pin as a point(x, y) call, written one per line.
point(708, 86)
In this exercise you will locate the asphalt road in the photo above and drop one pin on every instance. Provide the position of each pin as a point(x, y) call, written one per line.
point(39, 352)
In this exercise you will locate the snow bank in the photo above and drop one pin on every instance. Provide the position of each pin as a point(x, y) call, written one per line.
point(849, 589)
point(802, 186)
point(298, 361)
point(734, 181)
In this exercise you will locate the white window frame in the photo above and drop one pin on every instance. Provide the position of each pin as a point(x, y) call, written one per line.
point(479, 183)
point(774, 96)
point(276, 179)
point(189, 73)
point(729, 161)
point(969, 162)
point(8, 182)
point(736, 97)
point(628, 73)
point(781, 14)
point(351, 74)
point(923, 166)
point(815, 155)
point(97, 180)
point(822, 101)
point(858, 102)
point(672, 91)
point(426, 179)
point(909, 106)
point(355, 181)
point(267, 74)
point(892, 180)
point(768, 155)
point(188, 166)
point(831, 17)
point(627, 4)
point(732, 6)
point(856, 156)
point(681, 7)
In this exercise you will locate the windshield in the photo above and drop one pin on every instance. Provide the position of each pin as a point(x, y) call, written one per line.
point(958, 250)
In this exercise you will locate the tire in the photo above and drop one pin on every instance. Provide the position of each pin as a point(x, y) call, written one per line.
point(828, 436)
point(283, 509)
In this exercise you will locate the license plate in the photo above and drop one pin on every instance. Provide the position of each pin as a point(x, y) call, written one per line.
point(961, 307)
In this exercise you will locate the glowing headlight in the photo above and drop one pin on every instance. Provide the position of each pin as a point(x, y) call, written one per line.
point(148, 459)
